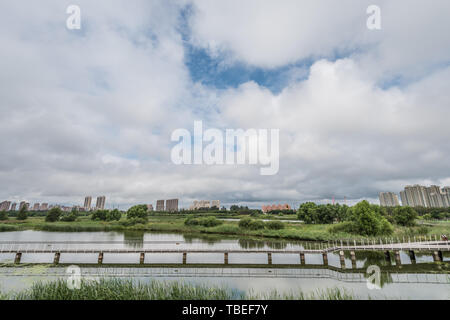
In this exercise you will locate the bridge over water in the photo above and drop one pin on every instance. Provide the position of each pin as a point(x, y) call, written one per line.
point(183, 248)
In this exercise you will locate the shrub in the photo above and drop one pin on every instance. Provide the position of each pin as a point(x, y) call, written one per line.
point(53, 215)
point(72, 216)
point(113, 215)
point(210, 222)
point(3, 215)
point(256, 225)
point(245, 223)
point(405, 216)
point(367, 220)
point(133, 222)
point(275, 225)
point(346, 226)
point(99, 215)
point(191, 221)
point(138, 211)
point(23, 214)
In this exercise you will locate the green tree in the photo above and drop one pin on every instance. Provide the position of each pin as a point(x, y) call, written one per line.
point(23, 213)
point(138, 211)
point(275, 225)
point(405, 216)
point(113, 215)
point(367, 219)
point(53, 214)
point(99, 215)
point(307, 212)
point(3, 215)
point(72, 216)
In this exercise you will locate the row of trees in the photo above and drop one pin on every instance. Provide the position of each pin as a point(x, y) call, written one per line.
point(363, 218)
point(21, 215)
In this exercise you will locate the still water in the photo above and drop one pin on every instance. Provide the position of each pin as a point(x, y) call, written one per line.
point(423, 280)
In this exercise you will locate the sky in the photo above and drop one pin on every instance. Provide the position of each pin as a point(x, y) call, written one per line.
point(91, 111)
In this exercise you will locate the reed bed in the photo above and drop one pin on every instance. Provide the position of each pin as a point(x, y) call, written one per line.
point(127, 289)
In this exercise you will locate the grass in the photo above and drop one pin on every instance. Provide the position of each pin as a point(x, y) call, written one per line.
point(175, 223)
point(126, 289)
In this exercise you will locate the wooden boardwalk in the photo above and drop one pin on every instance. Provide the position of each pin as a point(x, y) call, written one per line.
point(108, 247)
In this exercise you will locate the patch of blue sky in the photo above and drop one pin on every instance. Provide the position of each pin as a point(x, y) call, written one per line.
point(214, 72)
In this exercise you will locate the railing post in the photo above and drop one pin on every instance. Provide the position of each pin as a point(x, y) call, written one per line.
point(398, 261)
point(353, 257)
point(387, 256)
point(100, 258)
point(225, 257)
point(412, 256)
point(56, 259)
point(342, 259)
point(269, 258)
point(142, 258)
point(18, 257)
point(184, 257)
point(436, 257)
point(302, 258)
point(325, 258)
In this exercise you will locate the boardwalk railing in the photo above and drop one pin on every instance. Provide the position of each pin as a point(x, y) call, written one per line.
point(151, 247)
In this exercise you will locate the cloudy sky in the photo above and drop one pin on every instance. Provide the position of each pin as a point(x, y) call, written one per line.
point(91, 111)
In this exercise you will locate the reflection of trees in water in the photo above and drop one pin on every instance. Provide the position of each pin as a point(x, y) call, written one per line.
point(276, 245)
point(373, 258)
point(250, 244)
point(133, 239)
point(203, 239)
point(255, 244)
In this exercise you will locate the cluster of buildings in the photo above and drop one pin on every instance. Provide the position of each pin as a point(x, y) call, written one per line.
point(9, 206)
point(268, 208)
point(99, 205)
point(204, 204)
point(170, 205)
point(418, 196)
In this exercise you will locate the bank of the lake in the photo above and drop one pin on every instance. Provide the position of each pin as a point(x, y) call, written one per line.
point(175, 223)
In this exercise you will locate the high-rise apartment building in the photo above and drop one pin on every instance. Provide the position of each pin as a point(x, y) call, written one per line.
point(4, 206)
point(44, 207)
point(36, 207)
point(149, 207)
point(215, 203)
point(13, 206)
point(388, 199)
point(172, 205)
point(428, 197)
point(159, 205)
point(446, 195)
point(204, 204)
point(100, 204)
point(87, 203)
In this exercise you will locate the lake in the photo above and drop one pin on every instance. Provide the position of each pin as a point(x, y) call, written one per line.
point(246, 271)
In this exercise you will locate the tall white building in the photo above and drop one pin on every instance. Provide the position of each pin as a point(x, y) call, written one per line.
point(428, 197)
point(87, 203)
point(4, 206)
point(100, 204)
point(388, 199)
